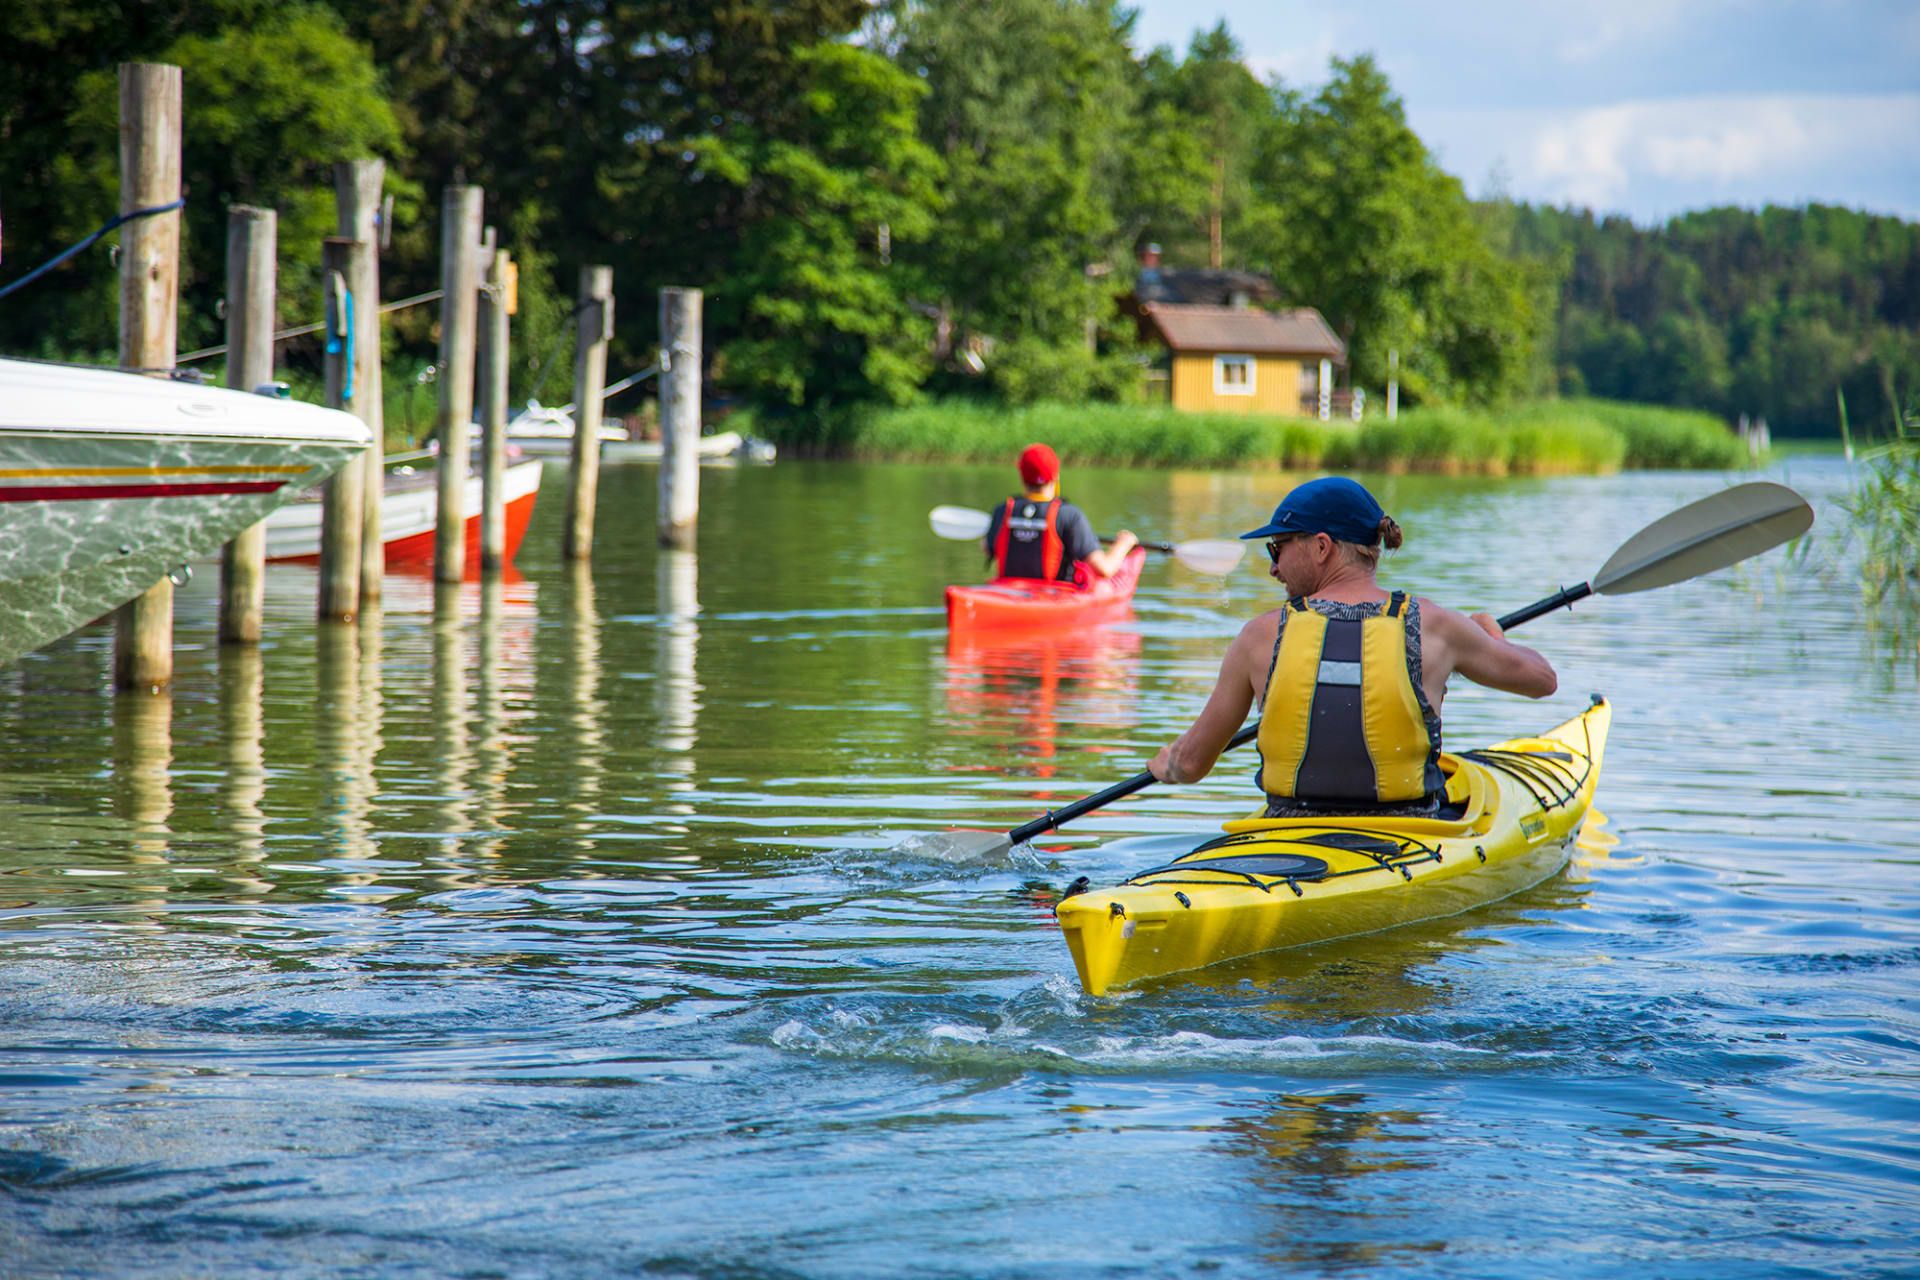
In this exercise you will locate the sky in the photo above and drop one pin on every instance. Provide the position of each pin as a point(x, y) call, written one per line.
point(1643, 107)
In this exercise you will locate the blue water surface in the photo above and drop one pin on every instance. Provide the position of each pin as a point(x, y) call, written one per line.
point(572, 925)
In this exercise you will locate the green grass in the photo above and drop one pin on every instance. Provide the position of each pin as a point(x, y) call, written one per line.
point(1544, 438)
point(1885, 508)
point(1659, 437)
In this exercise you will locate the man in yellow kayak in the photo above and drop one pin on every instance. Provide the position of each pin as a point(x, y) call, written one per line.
point(1349, 677)
point(1042, 535)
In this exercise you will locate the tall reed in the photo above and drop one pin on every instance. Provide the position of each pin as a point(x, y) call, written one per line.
point(1545, 438)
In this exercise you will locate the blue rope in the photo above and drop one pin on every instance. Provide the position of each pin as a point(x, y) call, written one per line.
point(51, 263)
point(340, 340)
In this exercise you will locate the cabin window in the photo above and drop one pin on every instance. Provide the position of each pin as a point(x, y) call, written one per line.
point(1233, 375)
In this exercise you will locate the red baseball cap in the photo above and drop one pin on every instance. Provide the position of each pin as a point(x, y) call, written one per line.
point(1038, 465)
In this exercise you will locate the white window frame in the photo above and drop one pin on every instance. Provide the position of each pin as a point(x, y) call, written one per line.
point(1220, 387)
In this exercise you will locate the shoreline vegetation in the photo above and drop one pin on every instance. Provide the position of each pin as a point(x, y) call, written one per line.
point(1885, 508)
point(1556, 437)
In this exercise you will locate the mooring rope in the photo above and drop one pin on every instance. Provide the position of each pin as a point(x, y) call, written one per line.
point(59, 258)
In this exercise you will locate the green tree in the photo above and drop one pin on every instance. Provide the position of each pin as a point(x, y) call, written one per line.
point(268, 108)
point(1737, 311)
point(1214, 113)
point(814, 303)
point(1030, 105)
point(1368, 229)
point(49, 46)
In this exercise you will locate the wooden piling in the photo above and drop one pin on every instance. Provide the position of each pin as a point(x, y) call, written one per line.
point(589, 390)
point(356, 193)
point(150, 97)
point(679, 507)
point(494, 307)
point(341, 498)
point(460, 283)
point(252, 236)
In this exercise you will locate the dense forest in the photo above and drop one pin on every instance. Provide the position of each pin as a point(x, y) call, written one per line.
point(1767, 313)
point(868, 192)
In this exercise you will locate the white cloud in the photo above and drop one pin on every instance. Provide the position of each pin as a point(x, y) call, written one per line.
point(1773, 137)
point(1303, 64)
point(1745, 148)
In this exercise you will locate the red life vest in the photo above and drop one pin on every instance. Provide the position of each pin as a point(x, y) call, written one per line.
point(1027, 544)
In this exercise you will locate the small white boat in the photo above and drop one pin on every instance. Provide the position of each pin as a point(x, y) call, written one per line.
point(548, 431)
point(409, 512)
point(109, 481)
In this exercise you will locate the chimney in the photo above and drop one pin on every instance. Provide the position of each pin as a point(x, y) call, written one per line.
point(1150, 257)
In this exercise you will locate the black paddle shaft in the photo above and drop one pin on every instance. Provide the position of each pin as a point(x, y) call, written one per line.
point(1087, 804)
point(1142, 542)
point(1048, 821)
point(1561, 599)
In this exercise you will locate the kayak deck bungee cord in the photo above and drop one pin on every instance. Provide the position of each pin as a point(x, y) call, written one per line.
point(1511, 814)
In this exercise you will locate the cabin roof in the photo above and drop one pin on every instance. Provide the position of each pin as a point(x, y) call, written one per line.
point(1300, 331)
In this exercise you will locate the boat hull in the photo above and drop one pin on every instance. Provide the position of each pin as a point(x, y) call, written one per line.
point(1030, 602)
point(1273, 883)
point(722, 446)
point(110, 481)
point(409, 513)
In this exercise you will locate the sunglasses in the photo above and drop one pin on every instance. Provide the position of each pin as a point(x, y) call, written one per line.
point(1274, 545)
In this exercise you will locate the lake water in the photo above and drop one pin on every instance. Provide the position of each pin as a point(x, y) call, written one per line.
point(557, 929)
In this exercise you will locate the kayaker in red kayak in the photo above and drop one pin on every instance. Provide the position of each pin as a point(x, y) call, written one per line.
point(1349, 677)
point(1042, 535)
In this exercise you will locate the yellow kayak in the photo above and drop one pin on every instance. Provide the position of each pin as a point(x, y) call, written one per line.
point(1513, 810)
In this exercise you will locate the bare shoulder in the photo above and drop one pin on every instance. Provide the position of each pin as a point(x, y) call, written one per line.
point(1435, 616)
point(1252, 649)
point(1259, 631)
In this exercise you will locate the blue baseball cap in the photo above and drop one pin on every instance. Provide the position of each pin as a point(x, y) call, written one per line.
point(1334, 505)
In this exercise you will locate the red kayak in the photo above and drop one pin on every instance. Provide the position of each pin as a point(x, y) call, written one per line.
point(1033, 602)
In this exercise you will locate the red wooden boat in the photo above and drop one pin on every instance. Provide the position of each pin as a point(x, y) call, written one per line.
point(409, 510)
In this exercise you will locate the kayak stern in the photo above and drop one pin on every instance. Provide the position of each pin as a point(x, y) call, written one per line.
point(1273, 883)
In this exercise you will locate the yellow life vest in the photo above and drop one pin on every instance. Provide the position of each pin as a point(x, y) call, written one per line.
point(1342, 722)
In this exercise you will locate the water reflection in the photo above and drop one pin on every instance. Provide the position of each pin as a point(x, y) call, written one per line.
point(1013, 686)
point(1308, 1153)
point(340, 733)
point(143, 761)
point(505, 638)
point(492, 757)
point(243, 775)
point(584, 711)
point(451, 714)
point(677, 691)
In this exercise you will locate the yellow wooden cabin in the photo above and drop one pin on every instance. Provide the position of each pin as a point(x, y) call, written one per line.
point(1241, 359)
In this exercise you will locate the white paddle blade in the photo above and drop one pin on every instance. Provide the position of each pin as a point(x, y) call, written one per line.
point(1722, 529)
point(961, 848)
point(1216, 556)
point(963, 524)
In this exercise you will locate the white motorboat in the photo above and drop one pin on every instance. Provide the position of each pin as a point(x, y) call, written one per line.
point(109, 481)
